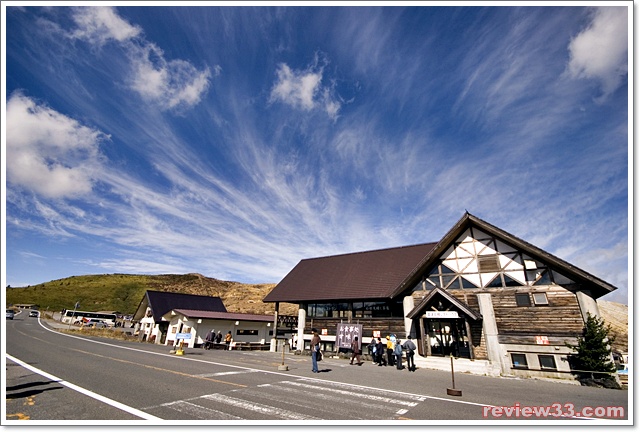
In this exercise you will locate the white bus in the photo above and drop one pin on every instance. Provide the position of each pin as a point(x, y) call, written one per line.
point(80, 317)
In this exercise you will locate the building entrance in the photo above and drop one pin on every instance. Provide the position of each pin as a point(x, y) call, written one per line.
point(448, 337)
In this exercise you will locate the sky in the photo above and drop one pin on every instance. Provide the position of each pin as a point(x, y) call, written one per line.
point(236, 141)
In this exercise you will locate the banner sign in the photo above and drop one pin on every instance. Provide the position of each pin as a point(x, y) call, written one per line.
point(441, 314)
point(183, 336)
point(542, 340)
point(346, 333)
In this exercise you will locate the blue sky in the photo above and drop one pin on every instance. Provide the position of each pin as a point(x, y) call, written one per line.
point(236, 141)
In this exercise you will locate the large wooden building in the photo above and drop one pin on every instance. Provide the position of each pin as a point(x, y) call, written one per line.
point(479, 293)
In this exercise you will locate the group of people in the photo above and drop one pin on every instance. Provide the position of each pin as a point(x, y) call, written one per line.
point(212, 338)
point(393, 348)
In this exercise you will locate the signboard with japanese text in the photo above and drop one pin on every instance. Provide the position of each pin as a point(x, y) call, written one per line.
point(346, 333)
point(183, 336)
point(441, 314)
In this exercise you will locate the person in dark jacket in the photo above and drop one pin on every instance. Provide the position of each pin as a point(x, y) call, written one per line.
point(355, 351)
point(397, 352)
point(372, 350)
point(380, 350)
point(209, 340)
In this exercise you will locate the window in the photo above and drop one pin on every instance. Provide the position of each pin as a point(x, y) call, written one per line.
point(246, 332)
point(540, 299)
point(547, 362)
point(519, 361)
point(523, 300)
point(488, 263)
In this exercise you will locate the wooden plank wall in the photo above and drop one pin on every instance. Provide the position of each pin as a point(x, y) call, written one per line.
point(561, 318)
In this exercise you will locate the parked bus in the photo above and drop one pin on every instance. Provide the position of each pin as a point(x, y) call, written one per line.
point(79, 317)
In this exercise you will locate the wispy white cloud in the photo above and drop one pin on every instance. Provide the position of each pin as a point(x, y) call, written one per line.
point(51, 154)
point(99, 25)
point(600, 50)
point(170, 84)
point(303, 89)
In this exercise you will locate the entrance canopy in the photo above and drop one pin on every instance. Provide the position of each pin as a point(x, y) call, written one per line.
point(440, 304)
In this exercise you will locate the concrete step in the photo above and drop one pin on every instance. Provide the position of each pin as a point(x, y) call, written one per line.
point(477, 367)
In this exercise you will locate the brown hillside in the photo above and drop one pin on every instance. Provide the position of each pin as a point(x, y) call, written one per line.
point(617, 316)
point(236, 296)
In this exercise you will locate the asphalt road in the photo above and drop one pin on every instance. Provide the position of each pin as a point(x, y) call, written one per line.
point(52, 376)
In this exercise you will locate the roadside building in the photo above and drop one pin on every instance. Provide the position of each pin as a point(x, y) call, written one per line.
point(152, 324)
point(253, 330)
point(479, 294)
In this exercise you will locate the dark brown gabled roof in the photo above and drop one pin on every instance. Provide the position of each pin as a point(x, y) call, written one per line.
point(162, 302)
point(362, 275)
point(460, 305)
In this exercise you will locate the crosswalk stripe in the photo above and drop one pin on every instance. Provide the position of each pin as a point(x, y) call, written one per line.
point(363, 395)
point(262, 409)
point(194, 410)
point(371, 390)
point(333, 403)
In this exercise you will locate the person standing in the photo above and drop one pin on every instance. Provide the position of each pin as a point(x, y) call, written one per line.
point(219, 337)
point(390, 351)
point(380, 353)
point(315, 350)
point(227, 339)
point(372, 350)
point(209, 340)
point(410, 347)
point(397, 351)
point(355, 348)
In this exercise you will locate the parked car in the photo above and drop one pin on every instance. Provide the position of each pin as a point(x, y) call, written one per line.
point(33, 313)
point(10, 314)
point(96, 324)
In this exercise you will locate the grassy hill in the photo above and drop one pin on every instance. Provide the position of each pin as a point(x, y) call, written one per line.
point(123, 292)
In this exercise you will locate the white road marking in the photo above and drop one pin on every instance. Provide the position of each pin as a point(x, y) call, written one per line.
point(194, 410)
point(331, 401)
point(259, 408)
point(361, 395)
point(85, 392)
point(227, 373)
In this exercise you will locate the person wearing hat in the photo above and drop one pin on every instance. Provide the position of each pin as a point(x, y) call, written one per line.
point(410, 348)
point(390, 356)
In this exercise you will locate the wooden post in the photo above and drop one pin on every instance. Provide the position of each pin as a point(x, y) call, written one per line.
point(453, 391)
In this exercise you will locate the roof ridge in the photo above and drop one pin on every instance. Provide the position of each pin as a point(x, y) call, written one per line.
point(370, 251)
